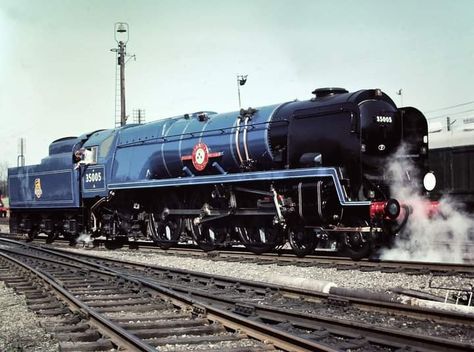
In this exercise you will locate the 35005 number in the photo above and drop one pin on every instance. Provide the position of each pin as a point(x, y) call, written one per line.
point(93, 177)
point(383, 119)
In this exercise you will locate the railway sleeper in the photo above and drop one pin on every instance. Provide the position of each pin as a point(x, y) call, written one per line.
point(162, 316)
point(140, 308)
point(12, 279)
point(38, 300)
point(164, 324)
point(67, 320)
point(191, 330)
point(51, 304)
point(52, 312)
point(35, 295)
point(113, 302)
point(195, 340)
point(87, 336)
point(20, 286)
point(86, 285)
point(79, 326)
point(92, 298)
point(94, 288)
point(99, 345)
point(99, 291)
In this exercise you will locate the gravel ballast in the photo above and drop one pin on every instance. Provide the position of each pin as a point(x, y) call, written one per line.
point(19, 327)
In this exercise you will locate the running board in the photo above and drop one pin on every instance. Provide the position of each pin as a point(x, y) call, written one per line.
point(348, 229)
point(220, 213)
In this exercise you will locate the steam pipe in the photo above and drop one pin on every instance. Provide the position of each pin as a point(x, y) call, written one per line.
point(386, 209)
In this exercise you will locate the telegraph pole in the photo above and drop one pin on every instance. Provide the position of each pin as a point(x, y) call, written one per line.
point(121, 35)
point(121, 62)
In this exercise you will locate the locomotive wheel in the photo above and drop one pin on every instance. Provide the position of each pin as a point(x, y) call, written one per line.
point(355, 245)
point(302, 241)
point(164, 233)
point(31, 235)
point(67, 236)
point(52, 236)
point(207, 237)
point(258, 239)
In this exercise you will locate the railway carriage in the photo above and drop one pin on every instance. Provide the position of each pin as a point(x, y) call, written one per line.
point(452, 159)
point(310, 173)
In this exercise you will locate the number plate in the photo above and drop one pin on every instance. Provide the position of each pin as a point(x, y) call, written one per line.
point(383, 119)
point(94, 179)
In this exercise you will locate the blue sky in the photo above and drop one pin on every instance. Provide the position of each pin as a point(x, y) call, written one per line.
point(58, 74)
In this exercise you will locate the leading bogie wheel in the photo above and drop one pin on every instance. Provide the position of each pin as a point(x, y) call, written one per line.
point(355, 245)
point(302, 240)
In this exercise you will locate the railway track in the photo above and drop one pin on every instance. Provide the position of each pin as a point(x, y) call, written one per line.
point(340, 263)
point(94, 308)
point(284, 257)
point(327, 321)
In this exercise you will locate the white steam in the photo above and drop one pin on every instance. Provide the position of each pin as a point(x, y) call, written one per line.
point(441, 238)
point(85, 239)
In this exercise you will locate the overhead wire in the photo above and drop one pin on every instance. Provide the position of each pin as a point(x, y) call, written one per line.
point(450, 114)
point(450, 107)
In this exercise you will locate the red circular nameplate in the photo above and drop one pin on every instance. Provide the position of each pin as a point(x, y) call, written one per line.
point(200, 156)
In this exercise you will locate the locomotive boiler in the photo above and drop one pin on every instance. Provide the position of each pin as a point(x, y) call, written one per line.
point(308, 173)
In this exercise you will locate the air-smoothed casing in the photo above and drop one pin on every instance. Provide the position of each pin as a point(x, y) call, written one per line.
point(164, 149)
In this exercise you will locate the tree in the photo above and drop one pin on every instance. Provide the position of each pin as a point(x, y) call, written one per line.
point(3, 178)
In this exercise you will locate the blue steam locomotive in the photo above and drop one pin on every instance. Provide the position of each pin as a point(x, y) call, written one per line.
point(308, 173)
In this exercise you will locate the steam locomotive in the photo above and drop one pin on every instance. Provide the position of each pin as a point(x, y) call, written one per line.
point(308, 173)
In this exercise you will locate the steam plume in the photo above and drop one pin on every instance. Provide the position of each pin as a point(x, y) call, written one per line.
point(443, 238)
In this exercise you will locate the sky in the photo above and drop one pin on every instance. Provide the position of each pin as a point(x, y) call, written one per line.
point(58, 73)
